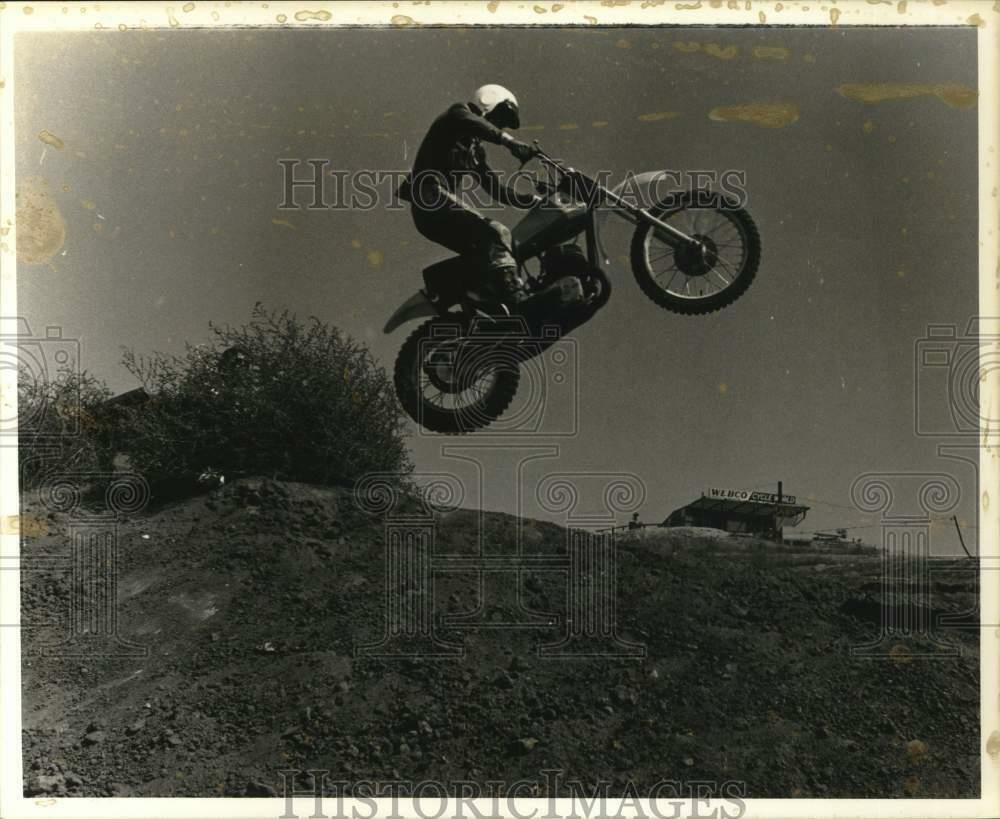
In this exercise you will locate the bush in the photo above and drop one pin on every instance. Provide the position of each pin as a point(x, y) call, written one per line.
point(276, 397)
point(60, 425)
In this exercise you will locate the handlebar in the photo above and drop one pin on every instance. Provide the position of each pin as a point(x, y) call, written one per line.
point(568, 177)
point(545, 159)
point(595, 193)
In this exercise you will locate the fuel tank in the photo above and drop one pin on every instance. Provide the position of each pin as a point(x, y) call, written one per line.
point(549, 223)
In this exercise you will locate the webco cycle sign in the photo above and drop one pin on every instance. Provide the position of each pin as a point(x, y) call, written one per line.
point(746, 496)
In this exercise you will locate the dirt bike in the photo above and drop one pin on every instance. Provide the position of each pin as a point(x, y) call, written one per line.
point(692, 252)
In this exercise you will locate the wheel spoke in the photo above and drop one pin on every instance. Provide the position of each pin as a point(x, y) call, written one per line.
point(672, 266)
point(666, 270)
point(724, 223)
point(733, 272)
point(728, 265)
point(667, 286)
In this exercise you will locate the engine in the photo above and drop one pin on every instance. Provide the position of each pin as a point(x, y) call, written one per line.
point(567, 271)
point(564, 260)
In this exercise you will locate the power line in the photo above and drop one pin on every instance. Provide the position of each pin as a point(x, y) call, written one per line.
point(831, 503)
point(834, 529)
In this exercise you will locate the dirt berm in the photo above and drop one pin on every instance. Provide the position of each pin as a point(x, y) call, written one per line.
point(253, 598)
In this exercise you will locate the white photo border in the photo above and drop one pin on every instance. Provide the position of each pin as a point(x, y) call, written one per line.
point(180, 15)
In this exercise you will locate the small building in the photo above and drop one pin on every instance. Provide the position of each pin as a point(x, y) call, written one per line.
point(740, 511)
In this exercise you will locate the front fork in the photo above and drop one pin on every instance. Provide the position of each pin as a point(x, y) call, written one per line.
point(668, 233)
point(596, 253)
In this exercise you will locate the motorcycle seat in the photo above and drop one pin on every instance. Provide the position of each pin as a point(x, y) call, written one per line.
point(449, 279)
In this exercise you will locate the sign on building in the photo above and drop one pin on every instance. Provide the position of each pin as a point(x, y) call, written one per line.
point(746, 496)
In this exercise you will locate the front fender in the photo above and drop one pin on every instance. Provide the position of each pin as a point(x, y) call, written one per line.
point(417, 306)
point(643, 182)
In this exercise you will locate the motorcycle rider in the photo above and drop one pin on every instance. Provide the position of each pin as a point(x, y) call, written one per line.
point(453, 147)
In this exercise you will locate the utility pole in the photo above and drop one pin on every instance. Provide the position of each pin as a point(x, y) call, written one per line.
point(779, 529)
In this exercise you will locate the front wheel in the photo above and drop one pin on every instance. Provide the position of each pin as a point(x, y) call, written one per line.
point(447, 382)
point(697, 279)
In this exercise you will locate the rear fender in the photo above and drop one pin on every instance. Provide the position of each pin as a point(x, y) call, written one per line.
point(417, 306)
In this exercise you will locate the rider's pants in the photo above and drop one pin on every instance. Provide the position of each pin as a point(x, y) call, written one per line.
point(466, 231)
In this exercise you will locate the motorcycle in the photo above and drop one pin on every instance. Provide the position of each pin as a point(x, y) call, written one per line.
point(693, 252)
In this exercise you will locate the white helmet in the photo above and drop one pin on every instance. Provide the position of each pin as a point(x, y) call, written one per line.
point(497, 100)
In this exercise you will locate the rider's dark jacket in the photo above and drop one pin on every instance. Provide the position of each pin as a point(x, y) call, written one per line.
point(452, 148)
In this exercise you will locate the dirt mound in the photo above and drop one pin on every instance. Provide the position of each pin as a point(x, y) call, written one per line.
point(657, 532)
point(252, 601)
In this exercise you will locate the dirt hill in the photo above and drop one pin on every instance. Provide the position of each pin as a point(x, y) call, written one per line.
point(252, 599)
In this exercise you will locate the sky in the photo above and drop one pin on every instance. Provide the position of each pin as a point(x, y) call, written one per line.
point(159, 150)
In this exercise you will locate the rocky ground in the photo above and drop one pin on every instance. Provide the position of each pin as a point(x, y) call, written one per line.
point(252, 599)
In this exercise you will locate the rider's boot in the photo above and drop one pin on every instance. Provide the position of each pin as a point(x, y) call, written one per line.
point(503, 287)
point(511, 285)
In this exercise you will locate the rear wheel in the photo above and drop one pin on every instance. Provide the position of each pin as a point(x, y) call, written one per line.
point(447, 382)
point(697, 279)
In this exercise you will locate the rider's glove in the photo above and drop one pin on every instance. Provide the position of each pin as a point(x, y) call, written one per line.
point(522, 151)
